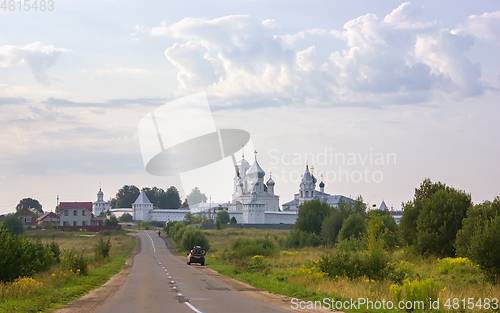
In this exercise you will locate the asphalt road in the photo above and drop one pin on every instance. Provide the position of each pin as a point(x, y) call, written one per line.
point(159, 282)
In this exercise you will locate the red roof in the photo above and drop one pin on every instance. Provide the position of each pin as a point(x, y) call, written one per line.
point(64, 205)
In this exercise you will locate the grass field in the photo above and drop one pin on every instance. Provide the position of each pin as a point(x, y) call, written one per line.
point(293, 273)
point(49, 290)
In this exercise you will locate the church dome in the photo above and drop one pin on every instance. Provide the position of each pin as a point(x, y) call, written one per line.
point(100, 193)
point(307, 174)
point(256, 170)
point(243, 163)
point(270, 182)
point(314, 179)
point(321, 185)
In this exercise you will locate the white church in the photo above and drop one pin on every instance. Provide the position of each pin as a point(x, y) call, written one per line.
point(253, 201)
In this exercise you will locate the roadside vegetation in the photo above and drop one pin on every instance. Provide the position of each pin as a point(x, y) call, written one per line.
point(49, 268)
point(445, 248)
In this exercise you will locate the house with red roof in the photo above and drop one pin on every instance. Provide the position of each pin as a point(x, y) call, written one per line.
point(75, 213)
point(48, 218)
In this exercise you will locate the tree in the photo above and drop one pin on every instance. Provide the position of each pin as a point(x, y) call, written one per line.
point(14, 224)
point(112, 221)
point(353, 226)
point(233, 220)
point(477, 216)
point(331, 226)
point(185, 204)
point(224, 217)
point(189, 218)
point(126, 196)
point(172, 198)
point(218, 224)
point(485, 249)
point(30, 203)
point(195, 196)
point(311, 216)
point(126, 218)
point(438, 211)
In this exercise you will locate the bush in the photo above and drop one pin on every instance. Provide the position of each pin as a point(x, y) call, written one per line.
point(223, 215)
point(193, 237)
point(485, 249)
point(125, 218)
point(242, 248)
point(418, 293)
point(351, 245)
point(353, 226)
point(233, 220)
point(299, 239)
point(22, 257)
point(13, 224)
point(218, 224)
point(102, 248)
point(75, 263)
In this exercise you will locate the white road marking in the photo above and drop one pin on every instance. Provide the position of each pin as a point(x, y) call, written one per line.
point(186, 303)
point(154, 249)
point(192, 307)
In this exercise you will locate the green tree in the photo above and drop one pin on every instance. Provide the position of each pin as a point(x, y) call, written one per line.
point(485, 249)
point(30, 203)
point(439, 211)
point(354, 226)
point(218, 224)
point(112, 221)
point(172, 198)
point(189, 218)
point(331, 225)
point(14, 224)
point(224, 217)
point(126, 218)
point(477, 216)
point(126, 196)
point(185, 204)
point(311, 216)
point(233, 220)
point(195, 196)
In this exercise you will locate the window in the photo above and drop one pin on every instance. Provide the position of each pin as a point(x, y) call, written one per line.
point(66, 213)
point(84, 212)
point(65, 223)
point(84, 223)
point(75, 212)
point(75, 223)
point(27, 219)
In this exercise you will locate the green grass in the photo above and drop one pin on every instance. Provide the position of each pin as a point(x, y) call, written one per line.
point(49, 292)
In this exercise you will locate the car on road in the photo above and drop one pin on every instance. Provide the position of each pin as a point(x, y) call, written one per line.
point(196, 255)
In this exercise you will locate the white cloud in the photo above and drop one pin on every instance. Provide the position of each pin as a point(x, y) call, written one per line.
point(121, 71)
point(399, 59)
point(486, 26)
point(37, 56)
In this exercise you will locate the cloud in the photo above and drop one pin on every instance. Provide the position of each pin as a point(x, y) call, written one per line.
point(12, 100)
point(121, 71)
point(397, 59)
point(106, 104)
point(37, 56)
point(486, 26)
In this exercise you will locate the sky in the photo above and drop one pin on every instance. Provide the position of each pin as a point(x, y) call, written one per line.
point(375, 95)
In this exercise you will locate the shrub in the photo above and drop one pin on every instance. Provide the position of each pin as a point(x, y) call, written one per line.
point(75, 263)
point(54, 247)
point(298, 239)
point(233, 220)
point(351, 245)
point(102, 248)
point(242, 248)
point(223, 215)
point(485, 249)
point(311, 216)
point(193, 237)
point(13, 224)
point(218, 224)
point(416, 292)
point(353, 226)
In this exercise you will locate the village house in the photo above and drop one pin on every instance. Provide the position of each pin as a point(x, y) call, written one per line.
point(27, 217)
point(48, 218)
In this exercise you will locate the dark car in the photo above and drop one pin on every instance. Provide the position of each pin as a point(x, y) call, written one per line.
point(196, 255)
